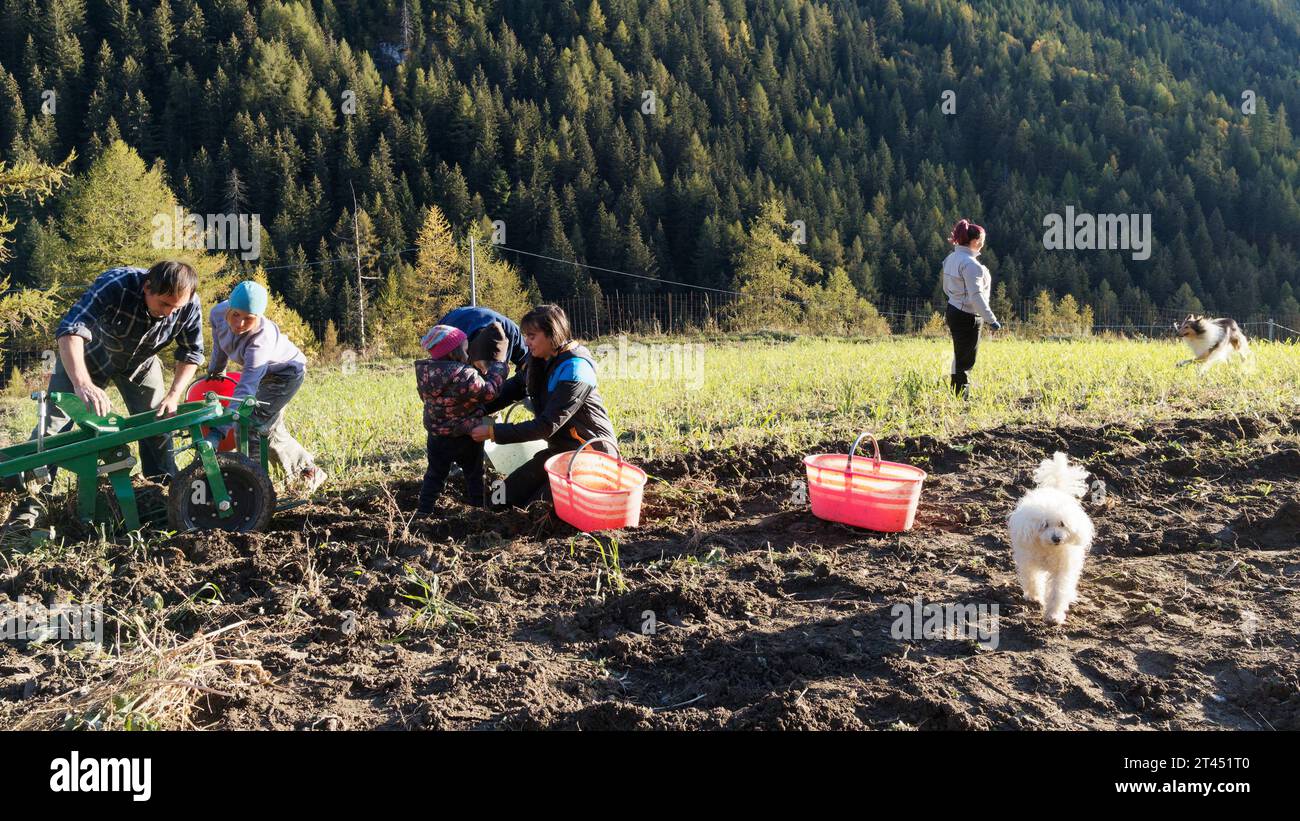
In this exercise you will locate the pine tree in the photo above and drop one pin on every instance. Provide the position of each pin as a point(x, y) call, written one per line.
point(836, 308)
point(771, 271)
point(557, 277)
point(235, 193)
point(413, 298)
point(29, 181)
point(330, 349)
point(1184, 301)
point(638, 259)
point(500, 286)
point(1002, 306)
point(1067, 320)
point(595, 22)
point(119, 213)
point(299, 288)
point(1042, 317)
point(356, 241)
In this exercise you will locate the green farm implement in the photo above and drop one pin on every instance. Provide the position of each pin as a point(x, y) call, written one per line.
point(218, 490)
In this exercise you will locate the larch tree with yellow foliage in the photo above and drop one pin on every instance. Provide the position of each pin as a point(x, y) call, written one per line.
point(772, 272)
point(26, 309)
point(413, 297)
point(109, 217)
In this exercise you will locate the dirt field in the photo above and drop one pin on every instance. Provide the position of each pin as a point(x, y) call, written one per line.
point(766, 617)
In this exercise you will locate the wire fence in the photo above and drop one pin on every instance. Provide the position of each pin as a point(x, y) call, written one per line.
point(695, 312)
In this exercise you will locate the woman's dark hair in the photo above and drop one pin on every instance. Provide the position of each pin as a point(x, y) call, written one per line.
point(965, 231)
point(550, 321)
point(171, 278)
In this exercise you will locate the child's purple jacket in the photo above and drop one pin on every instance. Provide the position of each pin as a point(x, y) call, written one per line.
point(454, 394)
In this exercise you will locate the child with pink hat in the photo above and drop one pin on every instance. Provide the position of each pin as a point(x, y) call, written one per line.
point(454, 393)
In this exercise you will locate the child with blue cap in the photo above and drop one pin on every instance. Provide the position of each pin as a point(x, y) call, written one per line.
point(272, 370)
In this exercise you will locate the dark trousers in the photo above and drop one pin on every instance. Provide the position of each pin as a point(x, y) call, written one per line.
point(530, 481)
point(965, 329)
point(442, 452)
point(142, 390)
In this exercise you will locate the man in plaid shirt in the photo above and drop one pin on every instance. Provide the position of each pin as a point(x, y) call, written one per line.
point(113, 334)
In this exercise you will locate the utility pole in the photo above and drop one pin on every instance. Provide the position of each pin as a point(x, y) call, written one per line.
point(356, 248)
point(473, 275)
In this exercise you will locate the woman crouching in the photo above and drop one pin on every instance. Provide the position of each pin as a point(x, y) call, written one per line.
point(559, 378)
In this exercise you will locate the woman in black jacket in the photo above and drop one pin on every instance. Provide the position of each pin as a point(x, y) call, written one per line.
point(559, 378)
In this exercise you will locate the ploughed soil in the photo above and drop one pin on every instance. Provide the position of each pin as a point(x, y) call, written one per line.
point(732, 606)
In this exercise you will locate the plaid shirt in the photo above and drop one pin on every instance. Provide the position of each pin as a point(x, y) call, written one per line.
point(120, 333)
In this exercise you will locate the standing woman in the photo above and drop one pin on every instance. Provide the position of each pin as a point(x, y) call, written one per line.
point(967, 283)
point(559, 377)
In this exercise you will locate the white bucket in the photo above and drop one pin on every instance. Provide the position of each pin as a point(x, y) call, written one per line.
point(506, 459)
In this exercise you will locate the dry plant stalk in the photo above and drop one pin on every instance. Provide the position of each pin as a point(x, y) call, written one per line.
point(152, 686)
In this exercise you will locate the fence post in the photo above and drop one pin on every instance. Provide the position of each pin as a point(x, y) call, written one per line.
point(1270, 329)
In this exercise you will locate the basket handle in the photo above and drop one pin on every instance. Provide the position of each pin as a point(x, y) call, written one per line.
point(510, 410)
point(204, 378)
point(852, 450)
point(569, 476)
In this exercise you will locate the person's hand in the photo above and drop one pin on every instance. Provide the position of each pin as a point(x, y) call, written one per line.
point(167, 407)
point(216, 375)
point(96, 399)
point(995, 325)
point(481, 433)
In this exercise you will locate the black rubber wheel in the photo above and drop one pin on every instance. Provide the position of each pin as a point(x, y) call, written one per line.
point(252, 496)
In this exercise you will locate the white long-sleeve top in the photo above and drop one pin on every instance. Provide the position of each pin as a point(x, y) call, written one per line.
point(967, 283)
point(265, 350)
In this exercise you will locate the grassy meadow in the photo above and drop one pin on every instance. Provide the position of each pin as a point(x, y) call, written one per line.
point(666, 395)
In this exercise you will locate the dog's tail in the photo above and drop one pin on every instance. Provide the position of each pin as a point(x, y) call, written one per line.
point(1240, 346)
point(1058, 473)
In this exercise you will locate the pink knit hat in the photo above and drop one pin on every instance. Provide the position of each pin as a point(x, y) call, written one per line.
point(442, 340)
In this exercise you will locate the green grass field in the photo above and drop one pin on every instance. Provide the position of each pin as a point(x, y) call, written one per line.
point(363, 422)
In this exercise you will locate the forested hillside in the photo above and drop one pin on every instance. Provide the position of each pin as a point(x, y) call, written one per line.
point(536, 114)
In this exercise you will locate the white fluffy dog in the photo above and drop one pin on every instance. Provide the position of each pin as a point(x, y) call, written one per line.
point(1051, 535)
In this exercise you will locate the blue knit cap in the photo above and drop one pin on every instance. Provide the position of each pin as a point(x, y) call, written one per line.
point(249, 297)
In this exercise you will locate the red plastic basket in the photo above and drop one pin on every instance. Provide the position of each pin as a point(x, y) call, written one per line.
point(595, 491)
point(223, 387)
point(864, 492)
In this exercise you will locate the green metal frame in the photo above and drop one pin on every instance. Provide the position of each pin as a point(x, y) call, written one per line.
point(99, 445)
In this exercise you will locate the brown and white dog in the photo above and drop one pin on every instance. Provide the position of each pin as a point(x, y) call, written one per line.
point(1212, 340)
